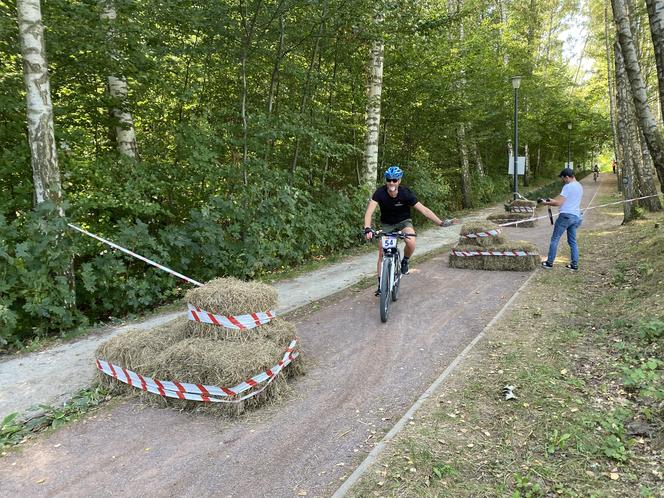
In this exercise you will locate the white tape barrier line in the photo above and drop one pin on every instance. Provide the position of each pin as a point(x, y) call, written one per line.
point(587, 209)
point(142, 258)
point(493, 253)
point(521, 209)
point(197, 392)
point(239, 322)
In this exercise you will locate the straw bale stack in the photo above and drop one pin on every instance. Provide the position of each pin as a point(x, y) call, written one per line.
point(198, 353)
point(479, 227)
point(526, 219)
point(502, 263)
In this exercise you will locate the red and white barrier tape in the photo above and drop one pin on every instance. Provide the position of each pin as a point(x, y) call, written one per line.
point(197, 392)
point(142, 258)
point(492, 253)
point(587, 209)
point(521, 209)
point(239, 322)
point(489, 233)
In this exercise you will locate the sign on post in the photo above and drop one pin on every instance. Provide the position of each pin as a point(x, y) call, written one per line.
point(570, 165)
point(520, 165)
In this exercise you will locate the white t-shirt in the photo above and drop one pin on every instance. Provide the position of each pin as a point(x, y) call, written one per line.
point(572, 192)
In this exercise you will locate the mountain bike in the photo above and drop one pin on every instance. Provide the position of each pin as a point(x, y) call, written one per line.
point(595, 175)
point(390, 269)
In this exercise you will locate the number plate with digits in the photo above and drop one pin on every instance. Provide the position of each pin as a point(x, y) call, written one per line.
point(389, 242)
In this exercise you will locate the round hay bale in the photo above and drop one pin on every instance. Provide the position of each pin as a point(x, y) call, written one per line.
point(231, 296)
point(473, 227)
point(136, 349)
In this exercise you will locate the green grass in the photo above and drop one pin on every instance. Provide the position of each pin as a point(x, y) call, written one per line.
point(584, 352)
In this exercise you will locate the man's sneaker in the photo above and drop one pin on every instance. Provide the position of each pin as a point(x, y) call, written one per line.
point(377, 293)
point(404, 267)
point(546, 265)
point(572, 267)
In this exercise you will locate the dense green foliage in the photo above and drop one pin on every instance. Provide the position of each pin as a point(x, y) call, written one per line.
point(220, 192)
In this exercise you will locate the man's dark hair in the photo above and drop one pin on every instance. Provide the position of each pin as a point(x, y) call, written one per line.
point(567, 172)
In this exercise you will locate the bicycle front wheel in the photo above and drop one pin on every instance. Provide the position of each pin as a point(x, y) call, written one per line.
point(385, 274)
point(396, 270)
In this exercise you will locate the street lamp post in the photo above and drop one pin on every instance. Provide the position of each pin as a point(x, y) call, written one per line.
point(516, 83)
point(569, 144)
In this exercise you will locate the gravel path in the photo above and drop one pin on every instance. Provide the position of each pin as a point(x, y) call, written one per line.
point(362, 376)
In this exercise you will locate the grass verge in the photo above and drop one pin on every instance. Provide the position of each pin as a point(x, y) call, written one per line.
point(582, 353)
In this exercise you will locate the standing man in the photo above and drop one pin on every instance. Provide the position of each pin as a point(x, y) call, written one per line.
point(569, 219)
point(395, 202)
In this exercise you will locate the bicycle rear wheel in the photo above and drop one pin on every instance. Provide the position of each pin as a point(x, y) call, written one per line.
point(385, 288)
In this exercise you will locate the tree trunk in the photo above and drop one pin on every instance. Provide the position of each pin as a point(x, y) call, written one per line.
point(477, 156)
point(374, 91)
point(624, 98)
point(611, 85)
point(466, 193)
point(633, 69)
point(656, 18)
point(125, 136)
point(526, 169)
point(41, 137)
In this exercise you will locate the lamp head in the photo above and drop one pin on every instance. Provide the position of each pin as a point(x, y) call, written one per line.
point(516, 82)
point(569, 126)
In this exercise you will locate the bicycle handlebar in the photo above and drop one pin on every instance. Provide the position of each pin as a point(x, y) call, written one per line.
point(399, 234)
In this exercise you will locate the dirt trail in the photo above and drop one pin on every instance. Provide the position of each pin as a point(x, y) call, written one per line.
point(363, 375)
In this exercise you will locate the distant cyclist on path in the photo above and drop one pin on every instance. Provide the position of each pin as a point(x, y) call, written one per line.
point(395, 202)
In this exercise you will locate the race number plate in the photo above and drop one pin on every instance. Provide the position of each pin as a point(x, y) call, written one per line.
point(389, 242)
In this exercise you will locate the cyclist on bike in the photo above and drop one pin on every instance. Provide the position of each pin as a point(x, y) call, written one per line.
point(595, 172)
point(395, 202)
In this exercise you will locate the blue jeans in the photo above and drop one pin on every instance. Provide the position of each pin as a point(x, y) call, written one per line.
point(565, 222)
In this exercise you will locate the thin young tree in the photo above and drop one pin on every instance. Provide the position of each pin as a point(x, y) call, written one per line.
point(125, 136)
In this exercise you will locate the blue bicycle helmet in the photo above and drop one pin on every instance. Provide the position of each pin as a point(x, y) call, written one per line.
point(393, 172)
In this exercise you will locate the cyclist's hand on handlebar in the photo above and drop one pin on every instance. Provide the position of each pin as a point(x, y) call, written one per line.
point(368, 233)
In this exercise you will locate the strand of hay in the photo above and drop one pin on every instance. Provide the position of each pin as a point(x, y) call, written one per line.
point(499, 263)
point(477, 227)
point(231, 296)
point(526, 219)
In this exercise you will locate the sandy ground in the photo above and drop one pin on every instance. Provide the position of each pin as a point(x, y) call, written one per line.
point(362, 376)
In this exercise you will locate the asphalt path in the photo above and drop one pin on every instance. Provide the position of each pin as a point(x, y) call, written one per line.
point(362, 376)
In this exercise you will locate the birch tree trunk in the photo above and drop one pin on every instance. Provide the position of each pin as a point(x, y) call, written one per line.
point(374, 91)
point(633, 69)
point(656, 18)
point(623, 100)
point(611, 85)
point(477, 156)
point(125, 135)
point(41, 137)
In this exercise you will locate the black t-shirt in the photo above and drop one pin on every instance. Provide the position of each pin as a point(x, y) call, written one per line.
point(394, 209)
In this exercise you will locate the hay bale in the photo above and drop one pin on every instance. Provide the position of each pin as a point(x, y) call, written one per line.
point(221, 363)
point(526, 219)
point(277, 329)
point(231, 296)
point(137, 349)
point(494, 262)
point(173, 352)
point(482, 226)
